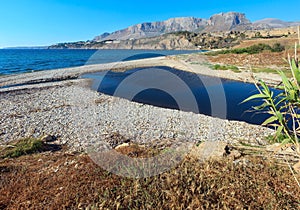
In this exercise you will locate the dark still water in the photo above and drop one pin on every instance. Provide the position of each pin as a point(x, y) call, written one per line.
point(170, 88)
point(16, 61)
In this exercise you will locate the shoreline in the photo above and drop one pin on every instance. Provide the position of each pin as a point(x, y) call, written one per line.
point(174, 61)
point(58, 103)
point(67, 110)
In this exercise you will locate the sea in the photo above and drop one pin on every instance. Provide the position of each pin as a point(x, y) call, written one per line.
point(18, 61)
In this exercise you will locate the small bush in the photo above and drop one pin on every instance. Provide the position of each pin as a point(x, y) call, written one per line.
point(277, 47)
point(234, 68)
point(254, 49)
point(225, 67)
point(284, 107)
point(24, 147)
point(217, 67)
point(276, 139)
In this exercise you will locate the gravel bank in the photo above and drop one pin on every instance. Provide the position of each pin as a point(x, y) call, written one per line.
point(80, 117)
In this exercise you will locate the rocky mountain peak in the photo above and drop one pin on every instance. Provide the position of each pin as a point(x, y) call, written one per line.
point(227, 21)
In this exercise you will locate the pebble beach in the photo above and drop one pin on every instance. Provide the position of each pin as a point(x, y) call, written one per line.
point(60, 104)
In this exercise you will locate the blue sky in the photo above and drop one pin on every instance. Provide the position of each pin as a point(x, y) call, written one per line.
point(44, 22)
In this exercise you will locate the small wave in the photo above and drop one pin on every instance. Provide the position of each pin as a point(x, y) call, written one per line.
point(41, 62)
point(143, 56)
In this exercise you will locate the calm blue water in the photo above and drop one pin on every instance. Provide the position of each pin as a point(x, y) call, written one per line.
point(16, 61)
point(214, 97)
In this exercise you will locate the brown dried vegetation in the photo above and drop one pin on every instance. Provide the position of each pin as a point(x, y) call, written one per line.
point(266, 59)
point(62, 180)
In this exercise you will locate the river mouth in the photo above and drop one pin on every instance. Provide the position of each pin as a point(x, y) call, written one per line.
point(171, 88)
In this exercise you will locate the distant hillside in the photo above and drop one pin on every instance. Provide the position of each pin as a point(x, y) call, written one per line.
point(273, 23)
point(219, 22)
point(219, 31)
point(183, 40)
point(26, 48)
point(145, 30)
point(231, 21)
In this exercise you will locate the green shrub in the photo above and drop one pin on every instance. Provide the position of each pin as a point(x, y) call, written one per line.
point(233, 68)
point(277, 47)
point(24, 147)
point(217, 67)
point(226, 67)
point(276, 139)
point(283, 108)
point(254, 49)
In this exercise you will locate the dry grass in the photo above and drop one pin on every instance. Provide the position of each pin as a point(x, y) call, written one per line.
point(70, 181)
point(23, 147)
point(265, 59)
point(289, 43)
point(272, 60)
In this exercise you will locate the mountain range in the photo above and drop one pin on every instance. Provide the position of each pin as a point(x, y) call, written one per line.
point(181, 33)
point(231, 21)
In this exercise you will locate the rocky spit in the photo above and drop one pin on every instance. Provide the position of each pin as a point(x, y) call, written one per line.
point(67, 109)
